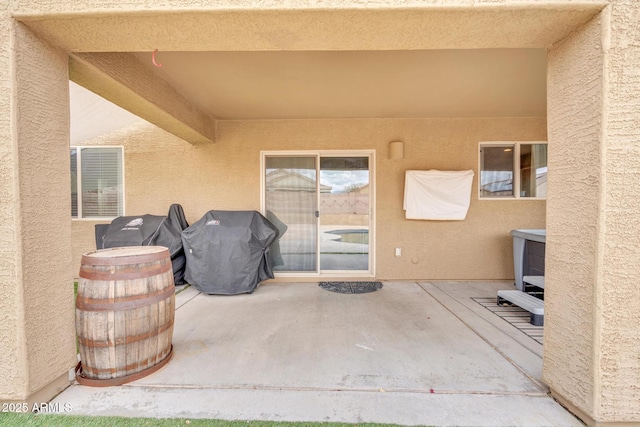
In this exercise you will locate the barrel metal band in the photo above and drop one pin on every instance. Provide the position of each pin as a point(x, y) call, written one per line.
point(84, 380)
point(124, 340)
point(123, 303)
point(146, 362)
point(125, 273)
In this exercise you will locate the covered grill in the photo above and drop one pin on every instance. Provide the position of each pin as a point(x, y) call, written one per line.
point(149, 230)
point(227, 252)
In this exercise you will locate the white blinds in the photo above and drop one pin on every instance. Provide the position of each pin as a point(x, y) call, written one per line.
point(100, 182)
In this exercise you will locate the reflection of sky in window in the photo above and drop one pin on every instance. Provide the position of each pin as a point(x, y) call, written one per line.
point(493, 176)
point(343, 180)
point(338, 180)
point(497, 181)
point(496, 176)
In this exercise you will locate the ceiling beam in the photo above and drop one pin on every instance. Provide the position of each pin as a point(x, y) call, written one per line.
point(122, 79)
point(379, 27)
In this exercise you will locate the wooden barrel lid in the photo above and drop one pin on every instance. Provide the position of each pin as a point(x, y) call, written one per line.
point(126, 251)
point(125, 255)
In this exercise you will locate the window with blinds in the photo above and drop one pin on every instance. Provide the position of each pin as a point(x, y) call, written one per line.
point(97, 182)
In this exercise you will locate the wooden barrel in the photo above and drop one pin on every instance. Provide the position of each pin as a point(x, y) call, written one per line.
point(124, 314)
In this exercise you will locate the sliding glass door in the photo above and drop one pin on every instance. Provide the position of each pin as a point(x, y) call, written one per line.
point(344, 214)
point(291, 203)
point(321, 204)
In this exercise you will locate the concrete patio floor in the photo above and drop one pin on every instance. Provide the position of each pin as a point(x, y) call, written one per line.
point(412, 353)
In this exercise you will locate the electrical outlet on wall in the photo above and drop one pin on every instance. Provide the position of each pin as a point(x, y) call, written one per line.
point(398, 252)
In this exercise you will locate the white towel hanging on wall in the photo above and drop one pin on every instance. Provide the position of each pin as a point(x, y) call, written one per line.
point(437, 195)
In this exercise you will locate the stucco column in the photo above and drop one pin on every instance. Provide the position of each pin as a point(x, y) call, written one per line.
point(36, 285)
point(592, 301)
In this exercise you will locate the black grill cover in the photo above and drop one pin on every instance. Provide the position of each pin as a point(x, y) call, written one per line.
point(150, 230)
point(227, 252)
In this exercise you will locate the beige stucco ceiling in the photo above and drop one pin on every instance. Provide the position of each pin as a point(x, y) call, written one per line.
point(346, 84)
point(238, 60)
point(240, 25)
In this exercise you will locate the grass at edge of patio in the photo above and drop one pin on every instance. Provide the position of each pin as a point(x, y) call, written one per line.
point(39, 420)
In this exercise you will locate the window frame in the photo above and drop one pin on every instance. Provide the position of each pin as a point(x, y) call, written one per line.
point(318, 154)
point(79, 149)
point(516, 168)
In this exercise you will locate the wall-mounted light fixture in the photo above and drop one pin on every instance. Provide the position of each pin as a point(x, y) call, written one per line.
point(396, 150)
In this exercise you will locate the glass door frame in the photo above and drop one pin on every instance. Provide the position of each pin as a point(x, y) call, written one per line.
point(318, 154)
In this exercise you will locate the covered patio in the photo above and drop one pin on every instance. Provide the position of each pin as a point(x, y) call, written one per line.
point(209, 145)
point(414, 352)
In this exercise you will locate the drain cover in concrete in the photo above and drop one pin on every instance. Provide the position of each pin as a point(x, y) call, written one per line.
point(351, 287)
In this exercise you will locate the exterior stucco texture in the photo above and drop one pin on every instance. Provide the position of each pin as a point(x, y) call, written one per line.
point(592, 213)
point(226, 175)
point(618, 328)
point(575, 82)
point(591, 332)
point(9, 315)
point(37, 322)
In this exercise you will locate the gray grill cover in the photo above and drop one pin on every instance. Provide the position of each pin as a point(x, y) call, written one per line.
point(150, 230)
point(227, 252)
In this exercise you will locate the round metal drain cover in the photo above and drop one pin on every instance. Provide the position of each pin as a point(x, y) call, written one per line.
point(351, 287)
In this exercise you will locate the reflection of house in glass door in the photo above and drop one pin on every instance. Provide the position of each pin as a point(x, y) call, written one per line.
point(322, 206)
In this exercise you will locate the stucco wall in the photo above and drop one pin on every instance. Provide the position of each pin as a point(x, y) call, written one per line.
point(575, 103)
point(37, 340)
point(162, 169)
point(53, 6)
point(619, 321)
point(11, 369)
point(593, 243)
point(591, 333)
